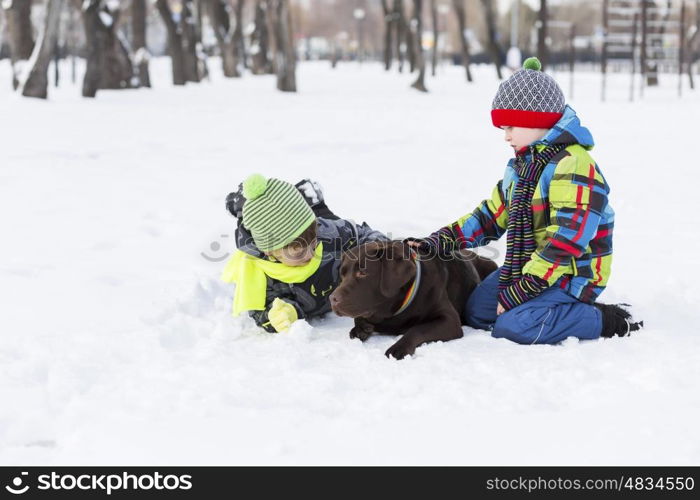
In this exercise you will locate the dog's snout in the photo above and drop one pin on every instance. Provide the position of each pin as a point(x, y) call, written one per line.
point(334, 299)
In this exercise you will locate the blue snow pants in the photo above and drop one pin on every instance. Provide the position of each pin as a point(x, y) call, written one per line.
point(549, 318)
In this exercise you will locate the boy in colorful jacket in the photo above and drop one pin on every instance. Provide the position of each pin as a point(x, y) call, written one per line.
point(553, 205)
point(289, 249)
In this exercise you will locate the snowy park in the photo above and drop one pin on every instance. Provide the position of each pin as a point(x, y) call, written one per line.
point(117, 343)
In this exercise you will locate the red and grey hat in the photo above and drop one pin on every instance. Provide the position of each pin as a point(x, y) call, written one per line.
point(529, 98)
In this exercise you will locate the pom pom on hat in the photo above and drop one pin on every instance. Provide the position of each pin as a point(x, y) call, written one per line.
point(254, 186)
point(532, 63)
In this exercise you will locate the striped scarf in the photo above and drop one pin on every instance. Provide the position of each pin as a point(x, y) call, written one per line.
point(520, 239)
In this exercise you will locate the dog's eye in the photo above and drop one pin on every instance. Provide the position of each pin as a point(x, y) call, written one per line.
point(360, 274)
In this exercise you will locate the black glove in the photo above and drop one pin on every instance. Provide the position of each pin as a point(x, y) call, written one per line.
point(235, 201)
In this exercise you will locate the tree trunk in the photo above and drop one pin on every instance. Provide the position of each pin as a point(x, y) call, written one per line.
point(285, 57)
point(434, 18)
point(461, 14)
point(174, 42)
point(192, 60)
point(141, 54)
point(259, 43)
point(94, 41)
point(388, 31)
point(19, 25)
point(691, 47)
point(494, 47)
point(400, 27)
point(37, 81)
point(271, 29)
point(417, 28)
point(238, 40)
point(408, 32)
point(108, 64)
point(219, 16)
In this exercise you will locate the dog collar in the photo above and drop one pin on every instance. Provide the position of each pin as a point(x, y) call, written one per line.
point(411, 294)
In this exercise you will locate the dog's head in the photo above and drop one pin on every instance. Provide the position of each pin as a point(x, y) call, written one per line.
point(372, 277)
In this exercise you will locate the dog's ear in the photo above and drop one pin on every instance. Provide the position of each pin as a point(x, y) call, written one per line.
point(397, 268)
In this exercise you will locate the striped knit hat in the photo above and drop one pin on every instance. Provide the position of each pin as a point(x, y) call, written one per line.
point(529, 98)
point(274, 212)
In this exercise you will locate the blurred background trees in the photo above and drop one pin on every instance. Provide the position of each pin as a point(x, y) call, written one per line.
point(117, 38)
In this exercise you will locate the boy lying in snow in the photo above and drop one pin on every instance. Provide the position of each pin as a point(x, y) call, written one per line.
point(553, 205)
point(289, 248)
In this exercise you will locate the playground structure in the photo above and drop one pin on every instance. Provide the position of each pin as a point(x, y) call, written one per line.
point(651, 38)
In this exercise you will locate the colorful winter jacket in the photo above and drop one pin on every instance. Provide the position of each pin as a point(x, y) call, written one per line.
point(572, 219)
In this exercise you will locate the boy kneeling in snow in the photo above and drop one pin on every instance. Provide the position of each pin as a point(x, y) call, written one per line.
point(553, 205)
point(289, 249)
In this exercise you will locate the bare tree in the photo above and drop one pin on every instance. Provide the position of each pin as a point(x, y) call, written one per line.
point(434, 19)
point(417, 28)
point(238, 38)
point(389, 21)
point(19, 25)
point(408, 41)
point(494, 48)
point(259, 40)
point(108, 63)
point(36, 82)
point(141, 54)
point(285, 56)
point(193, 55)
point(692, 44)
point(400, 29)
point(461, 14)
point(174, 42)
point(188, 64)
point(220, 17)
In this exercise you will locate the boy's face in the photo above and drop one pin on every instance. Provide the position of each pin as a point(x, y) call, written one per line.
point(519, 137)
point(294, 256)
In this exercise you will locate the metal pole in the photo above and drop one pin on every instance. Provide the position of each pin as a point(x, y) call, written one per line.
point(514, 23)
point(681, 50)
point(542, 35)
point(643, 49)
point(604, 54)
point(572, 59)
point(634, 47)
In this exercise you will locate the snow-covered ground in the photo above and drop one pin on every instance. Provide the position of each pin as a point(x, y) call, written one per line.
point(116, 340)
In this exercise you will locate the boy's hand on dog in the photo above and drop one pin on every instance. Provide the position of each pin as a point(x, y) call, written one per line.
point(431, 246)
point(281, 315)
point(416, 243)
point(499, 310)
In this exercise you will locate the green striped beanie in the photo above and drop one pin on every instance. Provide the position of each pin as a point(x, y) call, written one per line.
point(274, 212)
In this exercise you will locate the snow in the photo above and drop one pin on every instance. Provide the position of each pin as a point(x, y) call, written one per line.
point(142, 55)
point(106, 18)
point(116, 340)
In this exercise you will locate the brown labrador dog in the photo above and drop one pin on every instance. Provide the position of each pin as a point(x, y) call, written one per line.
point(388, 288)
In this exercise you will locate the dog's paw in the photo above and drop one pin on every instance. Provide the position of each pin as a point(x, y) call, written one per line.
point(401, 349)
point(360, 333)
